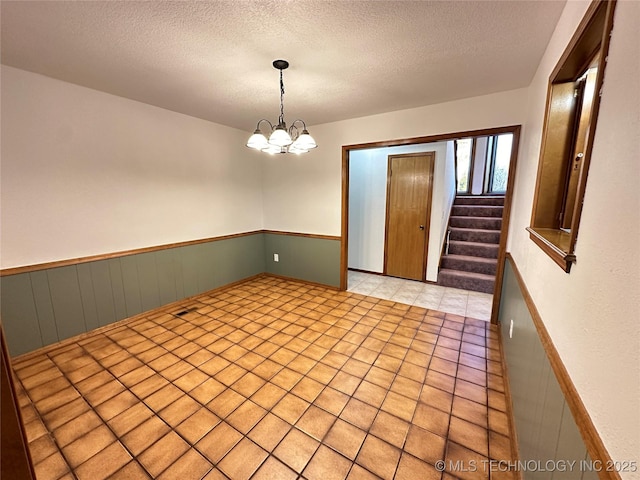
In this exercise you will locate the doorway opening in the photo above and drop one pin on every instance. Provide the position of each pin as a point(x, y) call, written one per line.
point(492, 181)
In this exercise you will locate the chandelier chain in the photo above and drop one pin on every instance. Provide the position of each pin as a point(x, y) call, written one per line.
point(281, 120)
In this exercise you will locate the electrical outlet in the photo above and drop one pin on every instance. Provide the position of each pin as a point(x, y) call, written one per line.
point(511, 329)
point(276, 257)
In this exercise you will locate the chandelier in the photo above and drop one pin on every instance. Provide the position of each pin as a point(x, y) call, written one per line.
point(295, 139)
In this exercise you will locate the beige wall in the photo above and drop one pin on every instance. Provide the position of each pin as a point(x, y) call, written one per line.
point(85, 172)
point(592, 313)
point(303, 194)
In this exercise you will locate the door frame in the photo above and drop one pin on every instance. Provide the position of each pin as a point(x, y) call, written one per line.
point(344, 238)
point(427, 219)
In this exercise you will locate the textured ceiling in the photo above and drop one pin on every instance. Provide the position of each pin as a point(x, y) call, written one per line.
point(348, 58)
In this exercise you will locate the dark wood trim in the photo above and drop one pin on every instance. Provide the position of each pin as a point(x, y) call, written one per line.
point(344, 243)
point(305, 235)
point(431, 138)
point(504, 229)
point(298, 280)
point(136, 251)
point(593, 121)
point(562, 258)
point(513, 434)
point(584, 43)
point(16, 461)
point(582, 27)
point(386, 217)
point(472, 166)
point(592, 440)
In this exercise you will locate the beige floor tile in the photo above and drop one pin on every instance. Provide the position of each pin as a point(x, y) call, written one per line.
point(218, 442)
point(389, 428)
point(243, 460)
point(379, 457)
point(159, 456)
point(326, 464)
point(296, 449)
point(274, 379)
point(269, 431)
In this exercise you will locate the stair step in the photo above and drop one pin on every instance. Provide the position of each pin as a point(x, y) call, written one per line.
point(477, 211)
point(475, 235)
point(467, 263)
point(473, 249)
point(479, 200)
point(482, 223)
point(466, 280)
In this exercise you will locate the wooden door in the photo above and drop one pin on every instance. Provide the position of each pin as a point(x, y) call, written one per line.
point(409, 187)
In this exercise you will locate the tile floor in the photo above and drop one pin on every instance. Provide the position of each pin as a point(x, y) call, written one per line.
point(271, 379)
point(444, 299)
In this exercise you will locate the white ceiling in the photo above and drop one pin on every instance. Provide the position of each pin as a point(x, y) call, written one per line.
point(348, 58)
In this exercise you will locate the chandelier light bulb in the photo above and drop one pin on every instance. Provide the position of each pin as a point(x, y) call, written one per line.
point(281, 139)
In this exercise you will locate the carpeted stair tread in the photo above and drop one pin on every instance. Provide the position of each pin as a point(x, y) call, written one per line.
point(477, 211)
point(473, 249)
point(477, 282)
point(481, 223)
point(479, 200)
point(475, 235)
point(467, 263)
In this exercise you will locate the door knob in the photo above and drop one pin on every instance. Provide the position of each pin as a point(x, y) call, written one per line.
point(421, 227)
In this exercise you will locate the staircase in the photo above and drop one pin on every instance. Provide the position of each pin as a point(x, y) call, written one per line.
point(474, 241)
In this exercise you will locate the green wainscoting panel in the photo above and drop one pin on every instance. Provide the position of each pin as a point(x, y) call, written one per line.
point(305, 258)
point(117, 288)
point(167, 276)
point(545, 427)
point(103, 292)
point(67, 301)
point(148, 280)
point(88, 296)
point(19, 315)
point(189, 262)
point(46, 306)
point(239, 258)
point(131, 284)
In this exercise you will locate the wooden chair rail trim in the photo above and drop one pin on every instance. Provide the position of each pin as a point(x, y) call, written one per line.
point(105, 256)
point(592, 440)
point(306, 235)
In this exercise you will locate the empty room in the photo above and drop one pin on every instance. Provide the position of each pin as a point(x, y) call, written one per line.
point(320, 239)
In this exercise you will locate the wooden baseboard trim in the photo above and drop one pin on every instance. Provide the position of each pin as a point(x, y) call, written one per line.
point(106, 256)
point(592, 440)
point(126, 321)
point(298, 280)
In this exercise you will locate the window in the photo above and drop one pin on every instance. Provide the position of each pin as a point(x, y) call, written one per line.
point(498, 159)
point(569, 126)
point(463, 164)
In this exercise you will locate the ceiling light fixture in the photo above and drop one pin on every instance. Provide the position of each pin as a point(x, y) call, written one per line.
point(282, 140)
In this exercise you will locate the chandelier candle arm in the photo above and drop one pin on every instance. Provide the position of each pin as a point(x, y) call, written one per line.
point(281, 139)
